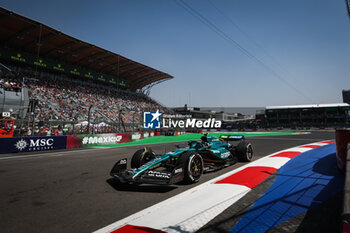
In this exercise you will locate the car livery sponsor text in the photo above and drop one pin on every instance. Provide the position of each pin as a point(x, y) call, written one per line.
point(158, 174)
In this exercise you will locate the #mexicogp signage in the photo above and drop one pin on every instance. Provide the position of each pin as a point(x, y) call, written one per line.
point(27, 58)
point(104, 139)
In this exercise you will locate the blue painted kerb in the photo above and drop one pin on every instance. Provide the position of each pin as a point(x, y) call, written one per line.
point(303, 183)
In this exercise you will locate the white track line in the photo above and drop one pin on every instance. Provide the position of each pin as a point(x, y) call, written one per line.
point(49, 154)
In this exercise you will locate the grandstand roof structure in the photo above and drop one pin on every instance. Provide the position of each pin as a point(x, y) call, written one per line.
point(24, 34)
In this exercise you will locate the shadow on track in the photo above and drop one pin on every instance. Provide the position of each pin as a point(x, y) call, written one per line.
point(139, 188)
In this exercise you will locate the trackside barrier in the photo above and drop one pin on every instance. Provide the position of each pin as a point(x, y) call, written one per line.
point(31, 144)
point(342, 138)
point(346, 207)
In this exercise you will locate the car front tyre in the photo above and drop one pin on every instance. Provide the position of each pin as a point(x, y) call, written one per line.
point(194, 168)
point(141, 157)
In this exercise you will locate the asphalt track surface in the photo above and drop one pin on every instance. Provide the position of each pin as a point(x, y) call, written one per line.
point(71, 191)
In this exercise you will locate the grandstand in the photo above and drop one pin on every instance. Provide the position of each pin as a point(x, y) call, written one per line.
point(312, 115)
point(50, 80)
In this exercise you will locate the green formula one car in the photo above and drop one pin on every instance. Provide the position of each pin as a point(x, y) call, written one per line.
point(184, 164)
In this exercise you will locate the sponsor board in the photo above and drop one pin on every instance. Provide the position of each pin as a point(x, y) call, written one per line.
point(104, 139)
point(73, 141)
point(136, 136)
point(29, 144)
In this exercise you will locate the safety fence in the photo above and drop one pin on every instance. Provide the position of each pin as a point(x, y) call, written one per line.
point(346, 200)
point(342, 137)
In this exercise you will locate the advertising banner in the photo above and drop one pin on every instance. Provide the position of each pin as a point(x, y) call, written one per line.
point(137, 136)
point(126, 137)
point(73, 141)
point(104, 139)
point(27, 144)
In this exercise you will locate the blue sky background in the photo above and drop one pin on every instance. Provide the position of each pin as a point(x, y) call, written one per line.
point(305, 42)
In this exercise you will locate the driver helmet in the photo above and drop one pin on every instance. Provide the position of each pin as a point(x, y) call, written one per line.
point(204, 138)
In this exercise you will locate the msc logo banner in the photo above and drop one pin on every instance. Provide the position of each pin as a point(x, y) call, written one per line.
point(151, 120)
point(27, 144)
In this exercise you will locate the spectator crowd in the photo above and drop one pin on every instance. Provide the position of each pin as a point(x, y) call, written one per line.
point(68, 99)
point(10, 82)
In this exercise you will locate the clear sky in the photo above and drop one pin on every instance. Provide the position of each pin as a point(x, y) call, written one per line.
point(237, 53)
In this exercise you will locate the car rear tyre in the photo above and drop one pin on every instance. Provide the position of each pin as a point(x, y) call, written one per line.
point(141, 157)
point(245, 151)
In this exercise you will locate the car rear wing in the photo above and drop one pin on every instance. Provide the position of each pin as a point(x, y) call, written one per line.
point(227, 138)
